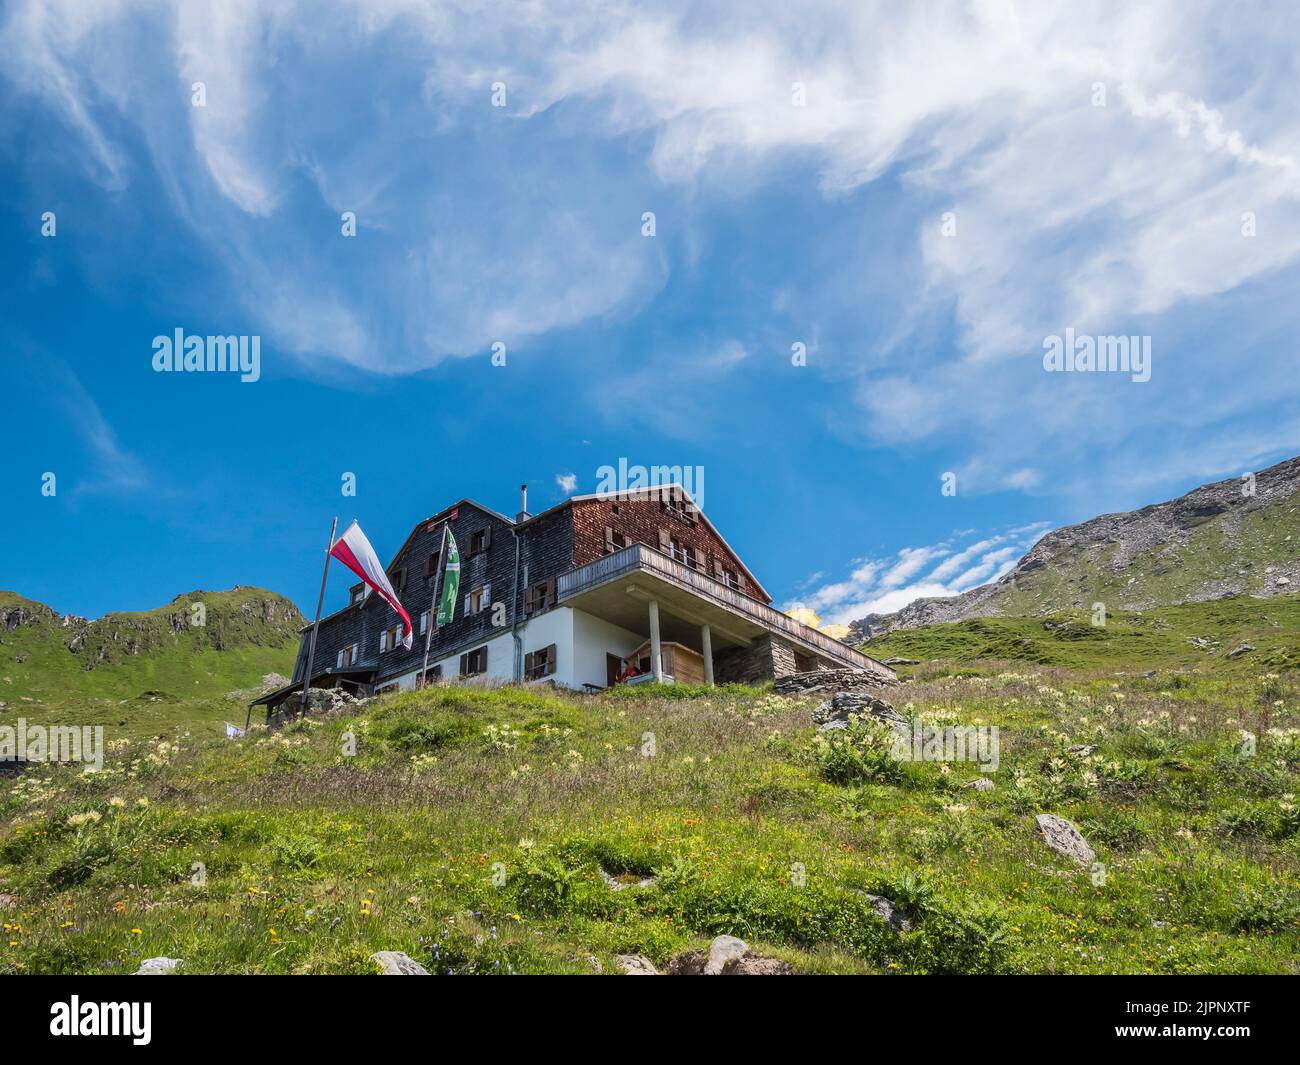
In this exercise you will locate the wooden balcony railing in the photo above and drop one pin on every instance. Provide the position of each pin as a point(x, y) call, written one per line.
point(638, 558)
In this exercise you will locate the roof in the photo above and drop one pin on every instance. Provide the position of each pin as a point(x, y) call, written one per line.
point(441, 515)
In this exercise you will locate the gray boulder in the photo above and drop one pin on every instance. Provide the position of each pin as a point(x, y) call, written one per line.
point(636, 965)
point(1062, 836)
point(395, 963)
point(835, 712)
point(981, 784)
point(158, 966)
point(892, 915)
point(724, 951)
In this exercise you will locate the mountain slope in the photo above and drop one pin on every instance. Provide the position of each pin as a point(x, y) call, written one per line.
point(61, 665)
point(1213, 542)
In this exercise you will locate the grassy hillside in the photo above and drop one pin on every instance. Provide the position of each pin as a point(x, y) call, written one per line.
point(1193, 636)
point(138, 673)
point(470, 829)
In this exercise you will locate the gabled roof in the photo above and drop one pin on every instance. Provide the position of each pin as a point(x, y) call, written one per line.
point(443, 514)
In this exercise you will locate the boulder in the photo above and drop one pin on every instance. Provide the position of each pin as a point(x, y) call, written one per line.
point(395, 963)
point(835, 712)
point(892, 915)
point(1244, 649)
point(981, 784)
point(636, 965)
point(158, 966)
point(724, 951)
point(1063, 836)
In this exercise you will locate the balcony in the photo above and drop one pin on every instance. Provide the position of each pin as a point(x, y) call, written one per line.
point(610, 586)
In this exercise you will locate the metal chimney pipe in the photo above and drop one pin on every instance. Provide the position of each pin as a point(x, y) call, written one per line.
point(523, 498)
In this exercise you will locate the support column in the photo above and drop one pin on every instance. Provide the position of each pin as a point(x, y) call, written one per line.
point(656, 651)
point(706, 643)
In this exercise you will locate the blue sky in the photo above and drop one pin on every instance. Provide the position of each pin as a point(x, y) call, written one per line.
point(800, 161)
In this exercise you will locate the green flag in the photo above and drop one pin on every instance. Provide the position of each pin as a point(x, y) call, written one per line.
point(450, 582)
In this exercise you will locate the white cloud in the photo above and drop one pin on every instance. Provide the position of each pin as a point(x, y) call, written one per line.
point(882, 586)
point(567, 482)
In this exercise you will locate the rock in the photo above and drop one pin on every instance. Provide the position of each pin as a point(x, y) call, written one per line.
point(395, 963)
point(8, 902)
point(1062, 836)
point(753, 965)
point(636, 965)
point(1081, 750)
point(899, 662)
point(1245, 648)
point(1284, 580)
point(724, 951)
point(892, 915)
point(1148, 674)
point(832, 680)
point(836, 711)
point(981, 784)
point(615, 884)
point(158, 966)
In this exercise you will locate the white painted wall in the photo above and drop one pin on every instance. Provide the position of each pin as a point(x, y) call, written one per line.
point(581, 642)
point(593, 639)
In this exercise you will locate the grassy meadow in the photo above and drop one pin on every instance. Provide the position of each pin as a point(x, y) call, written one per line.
point(470, 827)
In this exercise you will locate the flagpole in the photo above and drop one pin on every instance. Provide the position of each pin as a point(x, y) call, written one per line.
point(320, 602)
point(433, 610)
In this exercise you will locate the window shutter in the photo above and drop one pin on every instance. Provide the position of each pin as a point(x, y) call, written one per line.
point(383, 641)
point(550, 660)
point(465, 612)
point(464, 664)
point(339, 663)
point(609, 540)
point(529, 658)
point(528, 600)
point(487, 538)
point(487, 596)
point(665, 542)
point(550, 592)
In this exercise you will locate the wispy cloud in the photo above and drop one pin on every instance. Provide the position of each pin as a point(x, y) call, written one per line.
point(881, 586)
point(567, 482)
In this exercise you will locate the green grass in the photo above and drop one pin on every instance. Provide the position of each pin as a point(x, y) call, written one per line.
point(470, 826)
point(1134, 641)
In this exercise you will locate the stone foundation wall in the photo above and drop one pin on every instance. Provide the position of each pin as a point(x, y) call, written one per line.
point(764, 659)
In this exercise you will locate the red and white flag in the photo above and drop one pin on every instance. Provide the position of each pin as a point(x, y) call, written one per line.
point(355, 552)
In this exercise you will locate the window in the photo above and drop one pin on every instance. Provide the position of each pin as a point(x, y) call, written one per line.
point(473, 662)
point(431, 567)
point(613, 508)
point(358, 593)
point(479, 599)
point(682, 552)
point(398, 580)
point(390, 639)
point(480, 541)
point(731, 579)
point(538, 664)
point(614, 541)
point(347, 656)
point(540, 596)
point(433, 673)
